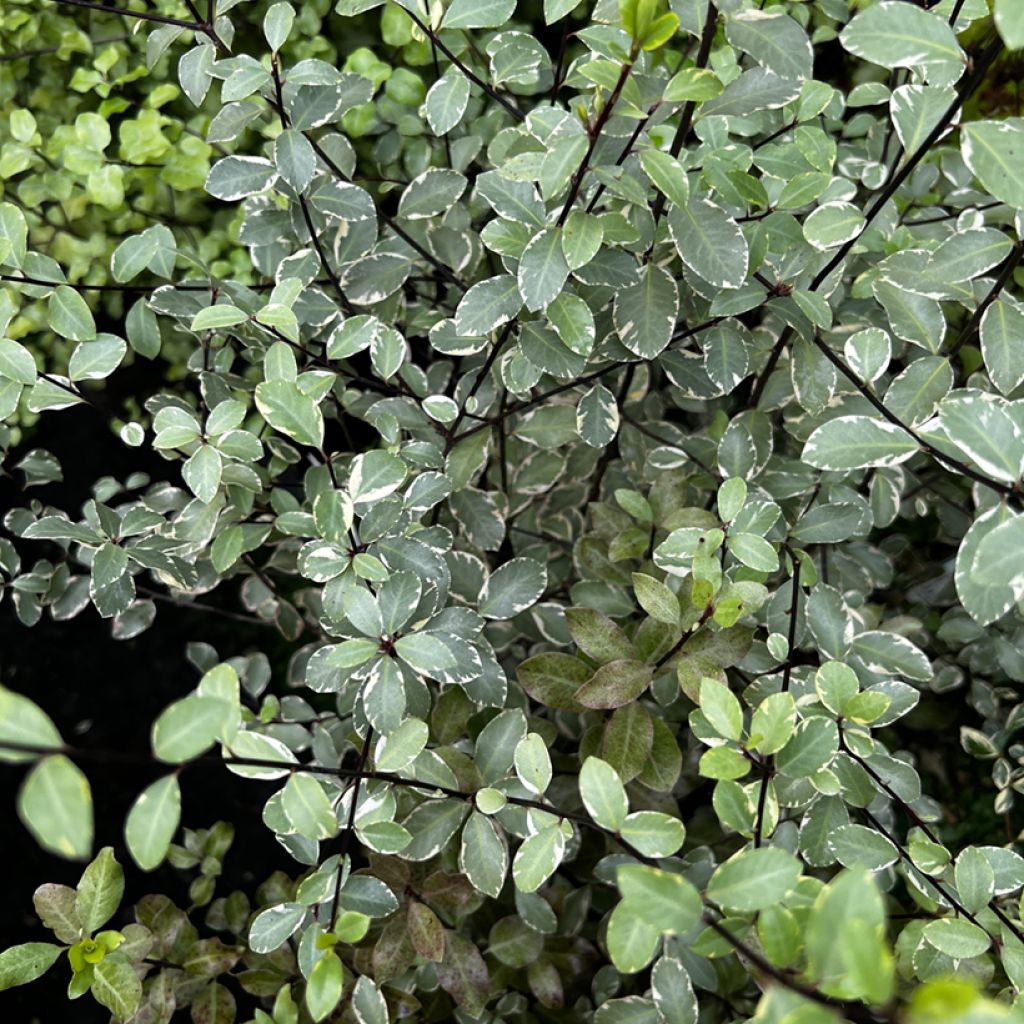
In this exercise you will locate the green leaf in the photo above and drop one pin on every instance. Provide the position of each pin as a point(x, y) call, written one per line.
point(673, 992)
point(431, 193)
point(16, 362)
point(813, 745)
point(710, 242)
point(23, 722)
point(667, 175)
point(447, 100)
point(975, 879)
point(236, 177)
point(13, 235)
point(855, 442)
point(533, 764)
point(116, 986)
point(324, 985)
point(293, 154)
point(832, 224)
point(581, 239)
point(692, 85)
point(656, 599)
point(307, 808)
point(774, 40)
point(483, 856)
point(288, 410)
point(597, 417)
point(512, 588)
point(652, 833)
point(69, 315)
point(538, 857)
point(1002, 327)
point(277, 24)
point(55, 803)
point(99, 891)
point(374, 475)
point(981, 426)
point(478, 13)
point(94, 360)
point(859, 845)
point(487, 305)
point(368, 1002)
point(152, 822)
point(190, 726)
point(425, 653)
point(664, 900)
point(957, 937)
point(891, 654)
point(1010, 22)
point(603, 794)
point(55, 907)
point(721, 708)
point(401, 746)
point(542, 269)
point(646, 312)
point(21, 964)
point(271, 928)
point(754, 879)
point(896, 35)
point(202, 473)
point(632, 942)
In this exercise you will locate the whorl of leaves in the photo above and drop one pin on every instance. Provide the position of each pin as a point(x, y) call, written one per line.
point(574, 387)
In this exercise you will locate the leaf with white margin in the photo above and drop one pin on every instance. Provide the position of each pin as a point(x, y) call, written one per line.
point(1002, 344)
point(603, 793)
point(984, 598)
point(833, 224)
point(538, 857)
point(645, 313)
point(512, 588)
point(999, 562)
point(991, 149)
point(774, 40)
point(710, 243)
point(447, 100)
point(273, 927)
point(597, 417)
point(981, 426)
point(542, 269)
point(856, 442)
point(487, 305)
point(887, 653)
point(431, 193)
point(483, 856)
point(899, 35)
point(237, 177)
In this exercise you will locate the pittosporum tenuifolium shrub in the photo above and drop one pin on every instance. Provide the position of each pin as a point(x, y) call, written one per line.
point(616, 408)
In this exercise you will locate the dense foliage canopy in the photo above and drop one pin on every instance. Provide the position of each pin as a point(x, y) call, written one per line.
point(616, 409)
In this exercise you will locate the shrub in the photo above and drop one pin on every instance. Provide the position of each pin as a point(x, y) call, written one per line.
point(616, 410)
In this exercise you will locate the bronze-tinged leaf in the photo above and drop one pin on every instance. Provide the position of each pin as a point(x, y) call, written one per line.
point(615, 684)
point(425, 931)
point(464, 975)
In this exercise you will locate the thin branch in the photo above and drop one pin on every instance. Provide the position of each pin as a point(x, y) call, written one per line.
point(160, 19)
point(967, 334)
point(595, 135)
point(768, 768)
point(686, 118)
point(350, 824)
